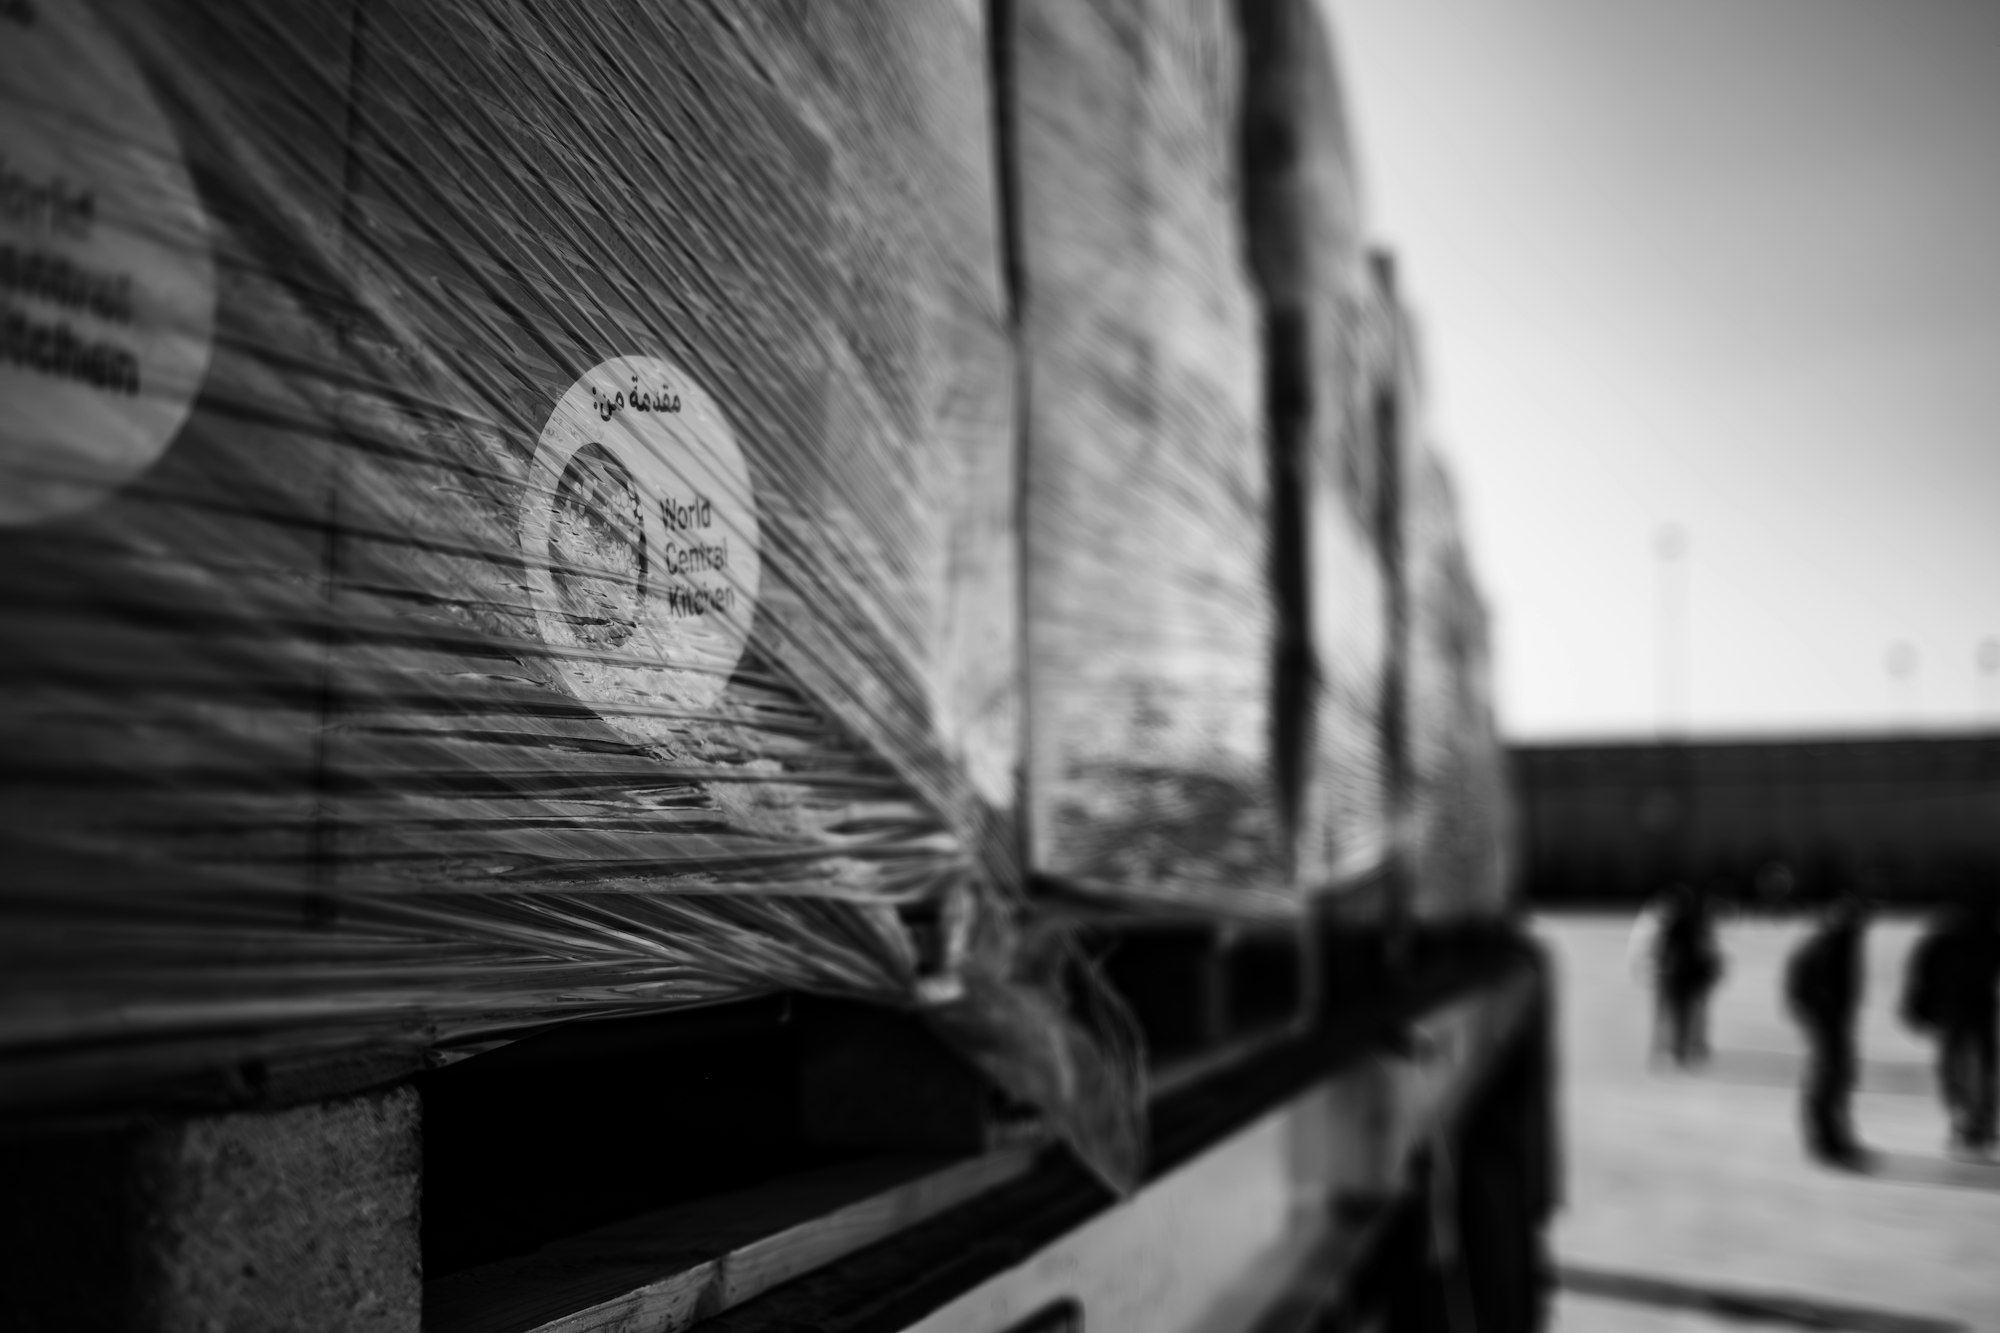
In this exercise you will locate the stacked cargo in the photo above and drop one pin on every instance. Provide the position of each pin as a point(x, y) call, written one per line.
point(1304, 214)
point(1446, 782)
point(518, 512)
point(1151, 615)
point(584, 578)
point(1226, 594)
point(159, 533)
point(1459, 803)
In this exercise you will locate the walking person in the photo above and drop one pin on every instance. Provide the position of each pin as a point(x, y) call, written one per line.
point(1686, 964)
point(1823, 989)
point(1953, 991)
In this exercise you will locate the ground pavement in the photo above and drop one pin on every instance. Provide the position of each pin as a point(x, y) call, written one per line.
point(1691, 1204)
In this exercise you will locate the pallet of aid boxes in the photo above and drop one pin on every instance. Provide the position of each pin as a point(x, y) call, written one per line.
point(1459, 795)
point(585, 580)
point(563, 564)
point(713, 441)
point(1311, 267)
point(1202, 603)
point(165, 457)
point(1152, 615)
point(682, 563)
point(165, 476)
point(1447, 790)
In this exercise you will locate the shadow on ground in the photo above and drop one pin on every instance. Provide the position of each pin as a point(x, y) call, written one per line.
point(1911, 1169)
point(1786, 1069)
point(1738, 1304)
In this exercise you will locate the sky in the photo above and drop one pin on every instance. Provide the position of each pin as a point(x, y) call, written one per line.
point(1726, 266)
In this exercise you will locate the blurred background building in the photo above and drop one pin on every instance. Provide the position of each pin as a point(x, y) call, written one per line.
point(1909, 819)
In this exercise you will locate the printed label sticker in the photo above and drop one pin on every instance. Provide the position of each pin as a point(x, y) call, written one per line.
point(640, 534)
point(107, 285)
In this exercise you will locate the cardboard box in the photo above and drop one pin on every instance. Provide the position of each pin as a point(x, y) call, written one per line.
point(583, 572)
point(1152, 620)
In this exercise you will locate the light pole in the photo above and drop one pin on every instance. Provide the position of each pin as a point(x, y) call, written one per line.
point(1902, 664)
point(1986, 660)
point(1670, 544)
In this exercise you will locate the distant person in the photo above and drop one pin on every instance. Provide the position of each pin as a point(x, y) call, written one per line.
point(1642, 946)
point(1823, 988)
point(1952, 990)
point(1675, 944)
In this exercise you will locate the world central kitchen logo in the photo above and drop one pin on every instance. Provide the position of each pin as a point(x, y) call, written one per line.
point(639, 524)
point(689, 552)
point(604, 567)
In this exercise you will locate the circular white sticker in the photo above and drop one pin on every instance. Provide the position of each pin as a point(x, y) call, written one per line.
point(107, 288)
point(639, 530)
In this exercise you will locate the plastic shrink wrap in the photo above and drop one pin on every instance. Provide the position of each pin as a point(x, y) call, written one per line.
point(1424, 751)
point(1152, 618)
point(1458, 794)
point(1449, 789)
point(1304, 214)
point(1221, 410)
point(510, 513)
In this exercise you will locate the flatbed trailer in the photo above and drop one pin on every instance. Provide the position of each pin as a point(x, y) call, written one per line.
point(1392, 1169)
point(1391, 1164)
